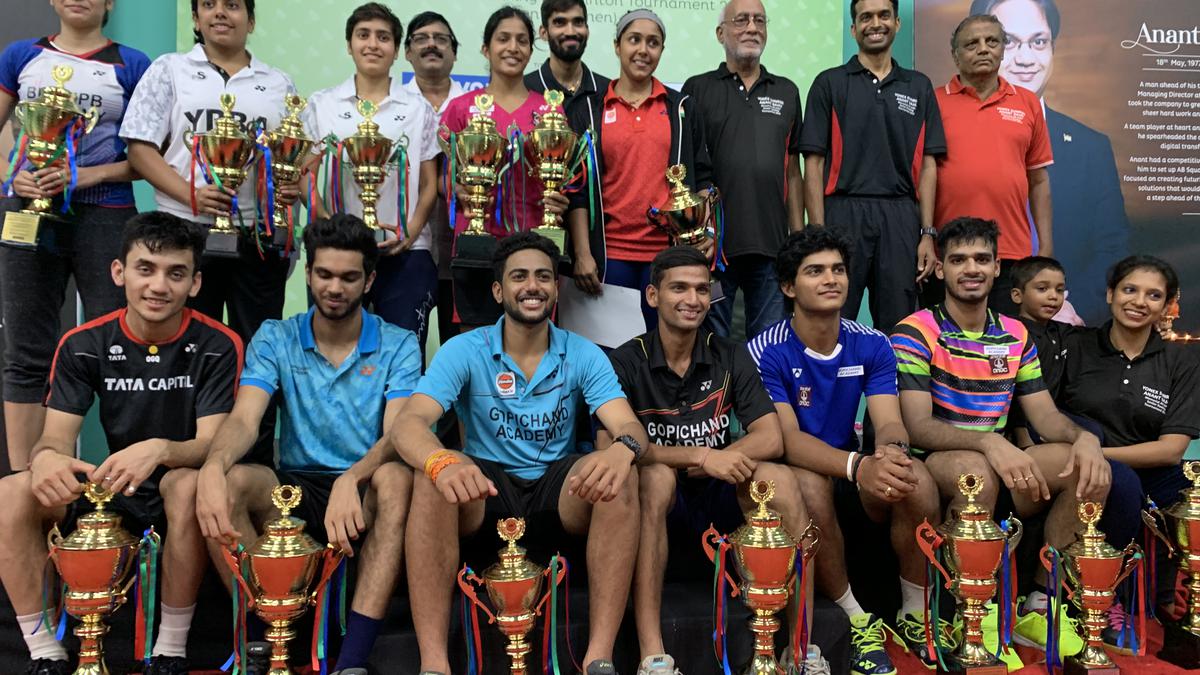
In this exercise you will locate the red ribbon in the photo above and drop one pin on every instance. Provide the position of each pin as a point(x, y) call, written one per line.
point(330, 559)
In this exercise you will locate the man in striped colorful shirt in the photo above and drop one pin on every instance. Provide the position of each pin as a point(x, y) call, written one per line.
point(959, 368)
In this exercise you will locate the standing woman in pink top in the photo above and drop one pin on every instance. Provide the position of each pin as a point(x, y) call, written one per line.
point(507, 46)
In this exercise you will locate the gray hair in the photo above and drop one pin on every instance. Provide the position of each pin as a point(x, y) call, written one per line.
point(974, 19)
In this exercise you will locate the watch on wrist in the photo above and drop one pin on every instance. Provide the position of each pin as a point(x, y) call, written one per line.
point(631, 443)
point(929, 232)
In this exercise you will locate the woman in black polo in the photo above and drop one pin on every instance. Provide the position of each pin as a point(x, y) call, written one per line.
point(1140, 389)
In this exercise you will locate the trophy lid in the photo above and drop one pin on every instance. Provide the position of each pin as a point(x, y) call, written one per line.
point(513, 565)
point(367, 127)
point(1090, 543)
point(681, 196)
point(553, 119)
point(227, 125)
point(764, 527)
point(974, 522)
point(56, 95)
point(291, 125)
point(285, 535)
point(1188, 508)
point(99, 529)
point(482, 122)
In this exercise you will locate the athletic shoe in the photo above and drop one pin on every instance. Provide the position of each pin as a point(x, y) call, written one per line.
point(601, 667)
point(1031, 629)
point(868, 656)
point(1118, 619)
point(659, 664)
point(49, 667)
point(990, 627)
point(814, 663)
point(258, 658)
point(167, 665)
point(912, 630)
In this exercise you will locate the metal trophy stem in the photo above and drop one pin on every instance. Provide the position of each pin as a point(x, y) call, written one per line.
point(227, 150)
point(478, 151)
point(974, 551)
point(369, 152)
point(47, 122)
point(290, 147)
point(553, 151)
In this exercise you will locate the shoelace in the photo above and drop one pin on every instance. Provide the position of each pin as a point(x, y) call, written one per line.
point(869, 639)
point(1117, 617)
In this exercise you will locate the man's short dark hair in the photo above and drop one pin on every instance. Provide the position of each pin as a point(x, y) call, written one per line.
point(966, 230)
point(371, 11)
point(971, 20)
point(800, 245)
point(1133, 263)
point(675, 256)
point(551, 7)
point(196, 10)
point(854, 9)
point(426, 19)
point(160, 231)
point(344, 232)
point(1024, 270)
point(520, 242)
point(1049, 10)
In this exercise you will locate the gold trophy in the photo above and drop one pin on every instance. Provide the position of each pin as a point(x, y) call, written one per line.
point(290, 147)
point(765, 557)
point(1094, 569)
point(227, 150)
point(685, 216)
point(553, 151)
point(514, 585)
point(1181, 639)
point(96, 563)
point(46, 122)
point(975, 547)
point(369, 153)
point(478, 153)
point(282, 565)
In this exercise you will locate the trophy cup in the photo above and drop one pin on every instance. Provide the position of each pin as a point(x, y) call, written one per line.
point(1093, 570)
point(975, 546)
point(46, 122)
point(227, 151)
point(553, 151)
point(96, 563)
point(685, 215)
point(765, 557)
point(289, 147)
point(478, 152)
point(282, 565)
point(1181, 639)
point(515, 586)
point(369, 153)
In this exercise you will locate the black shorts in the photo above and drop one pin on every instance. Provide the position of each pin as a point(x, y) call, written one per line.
point(139, 511)
point(315, 487)
point(534, 500)
point(704, 502)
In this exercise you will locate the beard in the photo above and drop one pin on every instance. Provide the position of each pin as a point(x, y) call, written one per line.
point(513, 311)
point(350, 309)
point(568, 54)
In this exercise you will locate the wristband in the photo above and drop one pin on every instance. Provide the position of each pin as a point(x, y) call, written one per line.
point(850, 465)
point(858, 460)
point(441, 464)
point(433, 458)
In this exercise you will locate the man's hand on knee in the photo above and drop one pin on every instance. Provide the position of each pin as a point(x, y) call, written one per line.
point(213, 506)
point(129, 468)
point(1017, 469)
point(464, 482)
point(344, 519)
point(52, 478)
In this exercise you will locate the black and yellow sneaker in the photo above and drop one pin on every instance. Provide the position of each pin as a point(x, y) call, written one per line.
point(911, 629)
point(868, 656)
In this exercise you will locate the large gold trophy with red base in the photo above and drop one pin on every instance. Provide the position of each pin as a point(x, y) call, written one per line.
point(765, 557)
point(974, 550)
point(514, 585)
point(1181, 639)
point(96, 562)
point(1094, 569)
point(280, 568)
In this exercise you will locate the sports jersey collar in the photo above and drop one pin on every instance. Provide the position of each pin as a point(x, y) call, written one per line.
point(587, 82)
point(657, 90)
point(724, 73)
point(85, 55)
point(956, 86)
point(495, 338)
point(854, 67)
point(943, 318)
point(1153, 345)
point(197, 55)
point(368, 336)
point(183, 326)
point(657, 358)
point(348, 90)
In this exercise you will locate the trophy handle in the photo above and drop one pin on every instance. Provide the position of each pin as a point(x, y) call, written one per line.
point(331, 557)
point(928, 540)
point(465, 581)
point(562, 574)
point(92, 117)
point(812, 535)
point(1133, 556)
point(1048, 563)
point(1152, 518)
point(233, 560)
point(189, 139)
point(717, 547)
point(1016, 529)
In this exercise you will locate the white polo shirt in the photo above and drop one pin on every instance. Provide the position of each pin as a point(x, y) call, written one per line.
point(182, 91)
point(439, 217)
point(401, 115)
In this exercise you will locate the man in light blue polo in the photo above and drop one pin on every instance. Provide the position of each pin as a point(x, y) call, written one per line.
point(516, 386)
point(343, 375)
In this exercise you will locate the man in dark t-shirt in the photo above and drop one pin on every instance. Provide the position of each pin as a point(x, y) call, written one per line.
point(165, 377)
point(685, 385)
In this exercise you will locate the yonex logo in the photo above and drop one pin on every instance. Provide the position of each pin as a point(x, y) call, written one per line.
point(259, 87)
point(796, 372)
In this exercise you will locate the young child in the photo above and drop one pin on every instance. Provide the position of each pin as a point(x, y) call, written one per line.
point(1039, 288)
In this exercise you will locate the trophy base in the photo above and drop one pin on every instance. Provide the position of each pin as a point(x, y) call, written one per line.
point(221, 244)
point(1073, 666)
point(557, 236)
point(1181, 647)
point(474, 247)
point(380, 234)
point(279, 238)
point(21, 229)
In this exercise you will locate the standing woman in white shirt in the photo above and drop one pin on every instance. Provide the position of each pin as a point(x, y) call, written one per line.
point(181, 93)
point(405, 285)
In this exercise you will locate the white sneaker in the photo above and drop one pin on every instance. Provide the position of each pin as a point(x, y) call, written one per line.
point(659, 664)
point(814, 663)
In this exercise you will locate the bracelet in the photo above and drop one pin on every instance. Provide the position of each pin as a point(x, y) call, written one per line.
point(850, 465)
point(858, 460)
point(433, 458)
point(442, 463)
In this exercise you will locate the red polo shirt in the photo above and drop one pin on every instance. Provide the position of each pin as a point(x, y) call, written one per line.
point(990, 145)
point(636, 143)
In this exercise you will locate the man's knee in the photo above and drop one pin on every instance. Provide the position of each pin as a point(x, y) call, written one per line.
point(949, 467)
point(788, 491)
point(924, 500)
point(656, 486)
point(392, 483)
point(178, 490)
point(20, 504)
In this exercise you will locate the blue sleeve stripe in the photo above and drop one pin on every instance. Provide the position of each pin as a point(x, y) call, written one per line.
point(398, 393)
point(261, 384)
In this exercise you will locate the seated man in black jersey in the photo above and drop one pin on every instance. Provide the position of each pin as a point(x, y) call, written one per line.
point(165, 377)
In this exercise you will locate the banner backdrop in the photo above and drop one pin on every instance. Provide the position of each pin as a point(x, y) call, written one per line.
point(1121, 88)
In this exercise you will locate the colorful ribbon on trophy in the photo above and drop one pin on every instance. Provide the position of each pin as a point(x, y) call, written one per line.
point(1054, 612)
point(470, 621)
point(71, 143)
point(266, 173)
point(718, 209)
point(1150, 548)
point(930, 543)
point(550, 625)
point(800, 635)
point(450, 176)
point(59, 624)
point(320, 635)
point(236, 583)
point(15, 158)
point(720, 577)
point(334, 194)
point(1131, 633)
point(401, 159)
point(1006, 600)
point(147, 585)
point(211, 178)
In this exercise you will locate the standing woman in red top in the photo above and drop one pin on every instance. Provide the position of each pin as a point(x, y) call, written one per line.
point(507, 46)
point(640, 127)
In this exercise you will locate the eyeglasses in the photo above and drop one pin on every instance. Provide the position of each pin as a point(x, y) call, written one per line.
point(1037, 43)
point(422, 39)
point(743, 20)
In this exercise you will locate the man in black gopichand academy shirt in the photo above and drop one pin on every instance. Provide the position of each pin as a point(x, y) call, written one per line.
point(165, 377)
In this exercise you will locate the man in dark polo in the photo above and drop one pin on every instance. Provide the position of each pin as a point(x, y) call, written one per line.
point(565, 29)
point(869, 142)
point(749, 114)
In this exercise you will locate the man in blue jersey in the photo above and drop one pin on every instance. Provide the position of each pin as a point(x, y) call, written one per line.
point(816, 367)
point(516, 386)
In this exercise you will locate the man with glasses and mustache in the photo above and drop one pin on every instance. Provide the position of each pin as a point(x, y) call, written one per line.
point(565, 29)
point(748, 114)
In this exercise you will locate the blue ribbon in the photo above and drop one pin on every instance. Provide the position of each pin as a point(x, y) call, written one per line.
point(269, 197)
point(720, 218)
point(72, 143)
point(1004, 604)
point(451, 178)
point(15, 158)
point(1053, 589)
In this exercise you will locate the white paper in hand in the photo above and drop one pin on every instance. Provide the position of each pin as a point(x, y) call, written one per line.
point(610, 319)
